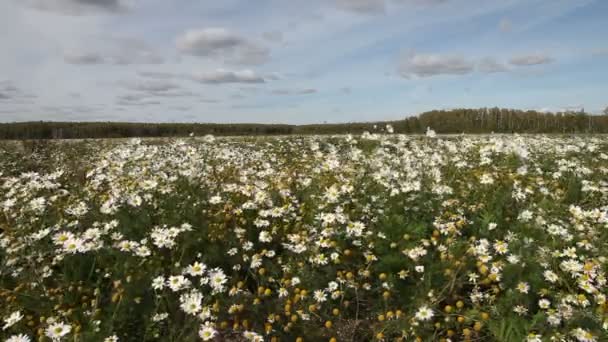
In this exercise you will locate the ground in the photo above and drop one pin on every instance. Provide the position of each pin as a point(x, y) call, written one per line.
point(347, 238)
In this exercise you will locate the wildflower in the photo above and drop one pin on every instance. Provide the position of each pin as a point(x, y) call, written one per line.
point(18, 338)
point(320, 296)
point(265, 236)
point(56, 331)
point(424, 313)
point(523, 287)
point(520, 310)
point(550, 276)
point(158, 283)
point(207, 332)
point(486, 179)
point(191, 303)
point(176, 283)
point(501, 247)
point(252, 336)
point(142, 251)
point(217, 280)
point(532, 337)
point(160, 317)
point(196, 269)
point(583, 335)
point(12, 319)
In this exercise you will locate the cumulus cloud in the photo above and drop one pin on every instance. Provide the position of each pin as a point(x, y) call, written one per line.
point(135, 100)
point(78, 7)
point(374, 7)
point(599, 52)
point(362, 6)
point(490, 65)
point(150, 92)
point(427, 65)
point(505, 25)
point(151, 86)
point(117, 51)
point(83, 58)
point(273, 36)
point(222, 44)
point(226, 76)
point(9, 92)
point(304, 91)
point(156, 74)
point(420, 2)
point(532, 59)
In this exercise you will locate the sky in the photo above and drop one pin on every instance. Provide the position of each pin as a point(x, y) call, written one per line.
point(297, 61)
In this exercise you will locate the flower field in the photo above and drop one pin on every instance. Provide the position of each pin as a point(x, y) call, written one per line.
point(337, 238)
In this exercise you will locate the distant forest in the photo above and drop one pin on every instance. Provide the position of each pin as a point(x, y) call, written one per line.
point(483, 120)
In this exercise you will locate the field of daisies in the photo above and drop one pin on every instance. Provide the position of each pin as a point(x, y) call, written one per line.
point(378, 237)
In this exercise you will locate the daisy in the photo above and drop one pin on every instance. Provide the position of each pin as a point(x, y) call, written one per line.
point(583, 336)
point(320, 296)
point(217, 280)
point(56, 331)
point(424, 313)
point(550, 276)
point(207, 331)
point(191, 303)
point(523, 287)
point(544, 303)
point(12, 319)
point(520, 310)
point(177, 283)
point(196, 269)
point(532, 337)
point(18, 338)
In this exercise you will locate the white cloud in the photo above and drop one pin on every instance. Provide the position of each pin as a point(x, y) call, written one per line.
point(531, 59)
point(427, 65)
point(156, 74)
point(373, 7)
point(78, 7)
point(135, 100)
point(599, 52)
point(274, 36)
point(117, 51)
point(222, 44)
point(226, 76)
point(9, 92)
point(490, 65)
point(505, 25)
point(84, 58)
point(362, 6)
point(304, 91)
point(151, 86)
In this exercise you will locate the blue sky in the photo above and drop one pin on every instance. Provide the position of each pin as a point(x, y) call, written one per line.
point(297, 61)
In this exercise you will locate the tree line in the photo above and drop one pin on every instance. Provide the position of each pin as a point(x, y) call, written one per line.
point(482, 120)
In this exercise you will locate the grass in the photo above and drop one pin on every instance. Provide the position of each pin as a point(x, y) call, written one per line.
point(314, 238)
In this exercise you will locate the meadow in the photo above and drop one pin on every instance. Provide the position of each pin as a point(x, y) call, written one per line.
point(372, 237)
